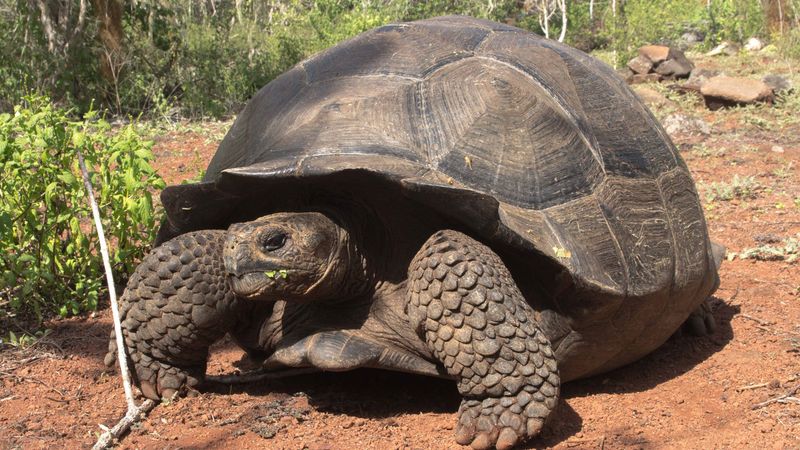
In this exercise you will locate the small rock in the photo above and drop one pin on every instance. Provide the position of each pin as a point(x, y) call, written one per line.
point(767, 238)
point(655, 53)
point(725, 48)
point(680, 67)
point(722, 91)
point(691, 38)
point(300, 404)
point(287, 421)
point(652, 97)
point(682, 124)
point(318, 446)
point(777, 149)
point(640, 64)
point(646, 78)
point(697, 78)
point(754, 44)
point(778, 83)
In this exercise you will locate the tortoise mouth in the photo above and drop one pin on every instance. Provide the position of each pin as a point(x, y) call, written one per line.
point(267, 285)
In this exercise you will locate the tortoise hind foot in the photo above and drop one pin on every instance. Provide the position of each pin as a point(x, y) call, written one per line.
point(701, 321)
point(464, 303)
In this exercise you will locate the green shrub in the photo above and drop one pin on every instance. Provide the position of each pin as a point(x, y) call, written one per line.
point(736, 20)
point(49, 253)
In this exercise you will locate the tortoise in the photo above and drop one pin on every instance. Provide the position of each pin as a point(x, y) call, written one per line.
point(450, 197)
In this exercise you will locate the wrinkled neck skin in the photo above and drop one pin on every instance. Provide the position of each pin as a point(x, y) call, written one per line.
point(351, 273)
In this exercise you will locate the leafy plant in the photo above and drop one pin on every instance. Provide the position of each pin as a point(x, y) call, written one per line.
point(49, 258)
point(786, 250)
point(746, 187)
point(23, 340)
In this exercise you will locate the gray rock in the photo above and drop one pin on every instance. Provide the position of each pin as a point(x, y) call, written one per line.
point(682, 124)
point(779, 84)
point(725, 48)
point(680, 67)
point(646, 78)
point(655, 53)
point(691, 38)
point(697, 78)
point(754, 44)
point(652, 97)
point(722, 91)
point(640, 65)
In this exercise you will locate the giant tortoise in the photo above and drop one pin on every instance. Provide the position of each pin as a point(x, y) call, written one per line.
point(449, 197)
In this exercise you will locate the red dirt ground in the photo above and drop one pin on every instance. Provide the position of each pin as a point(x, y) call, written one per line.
point(736, 389)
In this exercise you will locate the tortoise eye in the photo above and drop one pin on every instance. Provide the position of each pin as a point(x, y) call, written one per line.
point(275, 242)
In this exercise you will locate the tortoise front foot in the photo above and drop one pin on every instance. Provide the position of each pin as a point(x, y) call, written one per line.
point(159, 380)
point(471, 314)
point(177, 303)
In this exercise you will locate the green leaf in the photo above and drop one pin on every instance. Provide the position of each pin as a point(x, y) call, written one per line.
point(78, 138)
point(67, 177)
point(26, 258)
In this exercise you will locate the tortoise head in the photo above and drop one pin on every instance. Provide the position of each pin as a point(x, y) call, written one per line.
point(286, 256)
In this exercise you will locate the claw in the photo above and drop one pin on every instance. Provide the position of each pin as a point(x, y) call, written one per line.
point(110, 359)
point(465, 434)
point(534, 426)
point(482, 442)
point(507, 439)
point(169, 394)
point(149, 391)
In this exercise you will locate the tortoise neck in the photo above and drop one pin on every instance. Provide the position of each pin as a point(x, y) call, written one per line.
point(355, 266)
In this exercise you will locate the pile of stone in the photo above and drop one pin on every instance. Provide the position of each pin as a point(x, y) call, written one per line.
point(658, 63)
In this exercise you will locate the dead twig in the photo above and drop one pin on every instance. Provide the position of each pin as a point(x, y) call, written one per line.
point(787, 397)
point(756, 319)
point(752, 386)
point(131, 417)
point(134, 412)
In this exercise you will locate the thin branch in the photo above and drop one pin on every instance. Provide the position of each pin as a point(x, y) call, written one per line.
point(131, 417)
point(112, 292)
point(133, 413)
point(787, 397)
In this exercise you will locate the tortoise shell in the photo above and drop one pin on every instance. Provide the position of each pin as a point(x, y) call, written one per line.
point(524, 140)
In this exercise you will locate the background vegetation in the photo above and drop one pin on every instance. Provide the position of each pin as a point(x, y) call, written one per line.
point(49, 253)
point(205, 58)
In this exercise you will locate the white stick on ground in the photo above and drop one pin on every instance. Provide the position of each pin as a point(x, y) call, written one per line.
point(133, 413)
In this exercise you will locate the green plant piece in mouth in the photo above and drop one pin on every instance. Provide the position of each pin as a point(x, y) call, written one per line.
point(280, 273)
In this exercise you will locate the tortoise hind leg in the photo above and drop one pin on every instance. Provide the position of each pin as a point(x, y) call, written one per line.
point(464, 303)
point(701, 321)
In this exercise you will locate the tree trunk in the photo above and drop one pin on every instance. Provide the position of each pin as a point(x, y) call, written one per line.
point(110, 34)
point(775, 12)
point(61, 27)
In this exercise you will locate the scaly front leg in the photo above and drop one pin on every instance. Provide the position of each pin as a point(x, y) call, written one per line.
point(177, 303)
point(468, 309)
